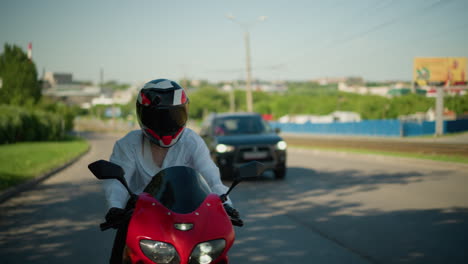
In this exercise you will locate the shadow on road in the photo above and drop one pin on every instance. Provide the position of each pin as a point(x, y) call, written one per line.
point(317, 201)
point(47, 238)
point(307, 217)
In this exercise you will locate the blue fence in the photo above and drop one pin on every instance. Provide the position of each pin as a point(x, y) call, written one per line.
point(411, 129)
point(382, 128)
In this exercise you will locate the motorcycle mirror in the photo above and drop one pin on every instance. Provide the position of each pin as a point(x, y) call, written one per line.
point(104, 170)
point(249, 170)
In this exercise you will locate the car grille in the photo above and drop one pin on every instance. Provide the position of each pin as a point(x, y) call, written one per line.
point(249, 153)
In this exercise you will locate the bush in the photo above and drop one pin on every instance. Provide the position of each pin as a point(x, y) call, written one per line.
point(66, 112)
point(18, 124)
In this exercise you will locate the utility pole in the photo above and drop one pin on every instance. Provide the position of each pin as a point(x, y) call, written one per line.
point(249, 72)
point(439, 111)
point(248, 88)
point(232, 99)
point(101, 78)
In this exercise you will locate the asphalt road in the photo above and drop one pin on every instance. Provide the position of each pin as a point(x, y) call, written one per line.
point(331, 208)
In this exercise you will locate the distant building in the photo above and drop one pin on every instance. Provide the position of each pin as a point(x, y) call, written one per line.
point(61, 87)
point(270, 87)
point(256, 86)
point(362, 89)
point(227, 87)
point(346, 116)
point(452, 90)
point(73, 94)
point(334, 117)
point(54, 79)
point(102, 100)
point(428, 116)
point(399, 92)
point(329, 80)
point(302, 119)
point(390, 90)
point(355, 81)
point(123, 97)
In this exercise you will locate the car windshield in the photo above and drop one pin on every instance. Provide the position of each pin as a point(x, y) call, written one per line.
point(180, 189)
point(238, 125)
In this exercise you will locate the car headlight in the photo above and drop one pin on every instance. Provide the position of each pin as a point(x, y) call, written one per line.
point(159, 252)
point(221, 148)
point(207, 252)
point(281, 145)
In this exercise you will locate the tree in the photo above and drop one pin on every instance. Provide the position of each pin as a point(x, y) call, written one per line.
point(19, 77)
point(115, 86)
point(458, 104)
point(206, 100)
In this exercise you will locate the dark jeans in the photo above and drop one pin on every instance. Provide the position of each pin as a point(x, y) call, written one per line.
point(119, 244)
point(121, 235)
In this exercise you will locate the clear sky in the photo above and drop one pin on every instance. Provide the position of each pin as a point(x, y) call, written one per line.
point(135, 41)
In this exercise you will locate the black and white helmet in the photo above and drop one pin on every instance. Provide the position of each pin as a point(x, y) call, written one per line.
point(162, 111)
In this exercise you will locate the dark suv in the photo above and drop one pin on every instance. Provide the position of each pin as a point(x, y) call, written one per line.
point(237, 138)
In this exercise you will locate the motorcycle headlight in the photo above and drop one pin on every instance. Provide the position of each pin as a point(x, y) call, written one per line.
point(281, 145)
point(159, 252)
point(207, 252)
point(221, 148)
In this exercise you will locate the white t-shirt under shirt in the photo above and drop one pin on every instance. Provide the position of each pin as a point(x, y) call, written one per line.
point(133, 154)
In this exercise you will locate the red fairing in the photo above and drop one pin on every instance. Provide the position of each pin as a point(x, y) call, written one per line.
point(151, 220)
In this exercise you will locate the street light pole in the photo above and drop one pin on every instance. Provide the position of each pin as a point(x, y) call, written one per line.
point(249, 72)
point(248, 87)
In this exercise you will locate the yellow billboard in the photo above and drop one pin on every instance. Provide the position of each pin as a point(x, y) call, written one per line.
point(440, 71)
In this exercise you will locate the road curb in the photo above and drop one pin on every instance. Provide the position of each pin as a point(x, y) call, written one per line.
point(388, 157)
point(13, 191)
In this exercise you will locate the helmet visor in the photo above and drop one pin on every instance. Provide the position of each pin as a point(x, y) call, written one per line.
point(164, 121)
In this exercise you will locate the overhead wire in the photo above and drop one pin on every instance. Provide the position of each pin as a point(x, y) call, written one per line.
point(392, 21)
point(332, 60)
point(334, 43)
point(273, 66)
point(324, 45)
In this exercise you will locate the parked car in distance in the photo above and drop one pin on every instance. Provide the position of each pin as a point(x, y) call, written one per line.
point(237, 138)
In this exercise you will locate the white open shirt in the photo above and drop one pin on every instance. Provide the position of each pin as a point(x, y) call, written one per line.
point(133, 154)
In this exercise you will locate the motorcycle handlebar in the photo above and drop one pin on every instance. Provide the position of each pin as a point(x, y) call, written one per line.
point(104, 226)
point(117, 222)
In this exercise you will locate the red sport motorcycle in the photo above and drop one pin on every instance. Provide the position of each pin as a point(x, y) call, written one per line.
point(177, 219)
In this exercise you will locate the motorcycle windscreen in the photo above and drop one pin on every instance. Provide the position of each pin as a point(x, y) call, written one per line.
point(180, 189)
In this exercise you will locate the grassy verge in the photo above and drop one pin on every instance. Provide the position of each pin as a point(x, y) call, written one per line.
point(23, 161)
point(436, 157)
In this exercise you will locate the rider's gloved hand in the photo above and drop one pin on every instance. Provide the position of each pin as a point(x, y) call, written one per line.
point(231, 211)
point(115, 214)
point(234, 214)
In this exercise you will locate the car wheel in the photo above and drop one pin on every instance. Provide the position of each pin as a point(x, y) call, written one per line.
point(280, 173)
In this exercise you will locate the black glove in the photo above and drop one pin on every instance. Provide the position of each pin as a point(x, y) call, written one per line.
point(234, 214)
point(231, 211)
point(115, 215)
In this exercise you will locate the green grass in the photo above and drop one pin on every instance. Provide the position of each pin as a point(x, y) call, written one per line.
point(436, 157)
point(23, 161)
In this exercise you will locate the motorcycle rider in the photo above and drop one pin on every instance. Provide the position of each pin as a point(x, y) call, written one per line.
point(163, 141)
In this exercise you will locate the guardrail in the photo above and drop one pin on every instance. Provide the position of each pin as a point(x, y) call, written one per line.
point(381, 128)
